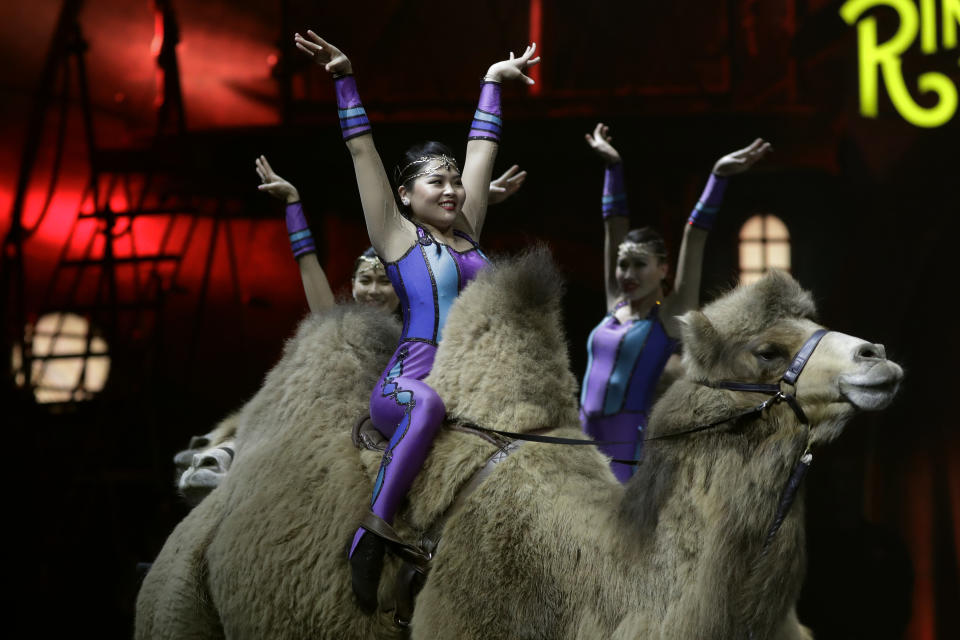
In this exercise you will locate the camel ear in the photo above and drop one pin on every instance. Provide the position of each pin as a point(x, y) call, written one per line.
point(782, 296)
point(701, 340)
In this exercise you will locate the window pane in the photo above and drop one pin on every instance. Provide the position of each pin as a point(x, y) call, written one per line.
point(751, 256)
point(778, 255)
point(776, 230)
point(764, 243)
point(59, 379)
point(752, 229)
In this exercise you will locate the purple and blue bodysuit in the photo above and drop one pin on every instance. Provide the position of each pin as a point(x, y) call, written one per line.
point(625, 360)
point(427, 279)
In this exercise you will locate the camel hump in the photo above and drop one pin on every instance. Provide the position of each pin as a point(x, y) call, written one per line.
point(508, 321)
point(530, 280)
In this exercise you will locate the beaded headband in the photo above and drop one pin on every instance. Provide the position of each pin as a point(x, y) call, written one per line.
point(629, 249)
point(443, 161)
point(371, 263)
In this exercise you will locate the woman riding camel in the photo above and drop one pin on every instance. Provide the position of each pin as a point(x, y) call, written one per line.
point(428, 243)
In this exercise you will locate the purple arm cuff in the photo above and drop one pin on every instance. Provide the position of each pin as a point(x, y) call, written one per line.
point(301, 240)
point(704, 214)
point(487, 122)
point(353, 117)
point(614, 201)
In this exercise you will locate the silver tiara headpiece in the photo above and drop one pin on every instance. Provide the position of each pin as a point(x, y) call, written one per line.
point(644, 250)
point(441, 161)
point(371, 263)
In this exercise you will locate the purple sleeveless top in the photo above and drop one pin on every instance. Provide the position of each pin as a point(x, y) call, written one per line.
point(624, 364)
point(427, 279)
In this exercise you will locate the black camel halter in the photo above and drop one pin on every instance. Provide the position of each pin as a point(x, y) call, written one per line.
point(790, 376)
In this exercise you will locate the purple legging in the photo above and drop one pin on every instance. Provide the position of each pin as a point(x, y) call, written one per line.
point(620, 427)
point(409, 412)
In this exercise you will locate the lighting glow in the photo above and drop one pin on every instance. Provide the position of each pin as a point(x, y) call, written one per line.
point(764, 245)
point(55, 376)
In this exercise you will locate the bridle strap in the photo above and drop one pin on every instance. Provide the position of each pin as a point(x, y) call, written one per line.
point(773, 390)
point(747, 386)
point(531, 437)
point(800, 360)
point(790, 376)
point(787, 498)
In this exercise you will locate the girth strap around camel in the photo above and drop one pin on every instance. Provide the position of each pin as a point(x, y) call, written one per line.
point(417, 557)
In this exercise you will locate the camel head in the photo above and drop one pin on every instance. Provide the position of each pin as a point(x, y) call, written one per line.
point(186, 462)
point(503, 359)
point(753, 334)
point(207, 470)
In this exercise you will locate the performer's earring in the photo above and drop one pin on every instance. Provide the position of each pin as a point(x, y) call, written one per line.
point(405, 202)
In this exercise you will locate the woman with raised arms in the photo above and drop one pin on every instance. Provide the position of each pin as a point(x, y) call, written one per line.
point(628, 350)
point(369, 283)
point(428, 243)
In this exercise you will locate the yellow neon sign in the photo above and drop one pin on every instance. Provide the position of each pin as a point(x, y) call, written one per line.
point(884, 58)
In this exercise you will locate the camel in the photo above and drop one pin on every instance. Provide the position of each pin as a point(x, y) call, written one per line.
point(207, 470)
point(201, 467)
point(550, 545)
point(225, 430)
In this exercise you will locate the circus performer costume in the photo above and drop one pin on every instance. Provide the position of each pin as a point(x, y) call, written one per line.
point(427, 241)
point(629, 349)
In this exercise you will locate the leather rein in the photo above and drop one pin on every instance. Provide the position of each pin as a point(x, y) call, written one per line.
point(775, 391)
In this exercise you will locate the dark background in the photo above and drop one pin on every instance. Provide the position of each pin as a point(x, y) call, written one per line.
point(871, 206)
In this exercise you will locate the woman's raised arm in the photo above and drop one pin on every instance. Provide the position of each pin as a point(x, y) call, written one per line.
point(616, 214)
point(686, 295)
point(390, 234)
point(484, 137)
point(315, 284)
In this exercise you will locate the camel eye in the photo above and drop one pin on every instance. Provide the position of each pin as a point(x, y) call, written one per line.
point(768, 353)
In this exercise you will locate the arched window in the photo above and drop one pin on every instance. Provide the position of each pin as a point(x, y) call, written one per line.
point(764, 244)
point(69, 363)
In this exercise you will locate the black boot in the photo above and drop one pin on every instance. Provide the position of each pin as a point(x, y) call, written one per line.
point(366, 564)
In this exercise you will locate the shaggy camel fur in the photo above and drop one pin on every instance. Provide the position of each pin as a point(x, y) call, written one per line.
point(551, 545)
point(323, 379)
point(676, 552)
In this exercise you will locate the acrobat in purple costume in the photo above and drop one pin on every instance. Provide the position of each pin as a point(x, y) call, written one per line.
point(625, 361)
point(427, 279)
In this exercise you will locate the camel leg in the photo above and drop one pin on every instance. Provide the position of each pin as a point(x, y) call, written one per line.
point(174, 601)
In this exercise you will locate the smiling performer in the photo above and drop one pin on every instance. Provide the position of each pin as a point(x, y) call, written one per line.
point(369, 283)
point(429, 246)
point(629, 349)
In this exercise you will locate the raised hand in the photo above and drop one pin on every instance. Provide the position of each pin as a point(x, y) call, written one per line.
point(513, 68)
point(506, 185)
point(323, 53)
point(742, 159)
point(600, 140)
point(274, 184)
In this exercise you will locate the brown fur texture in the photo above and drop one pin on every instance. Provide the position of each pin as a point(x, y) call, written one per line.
point(550, 545)
point(262, 521)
